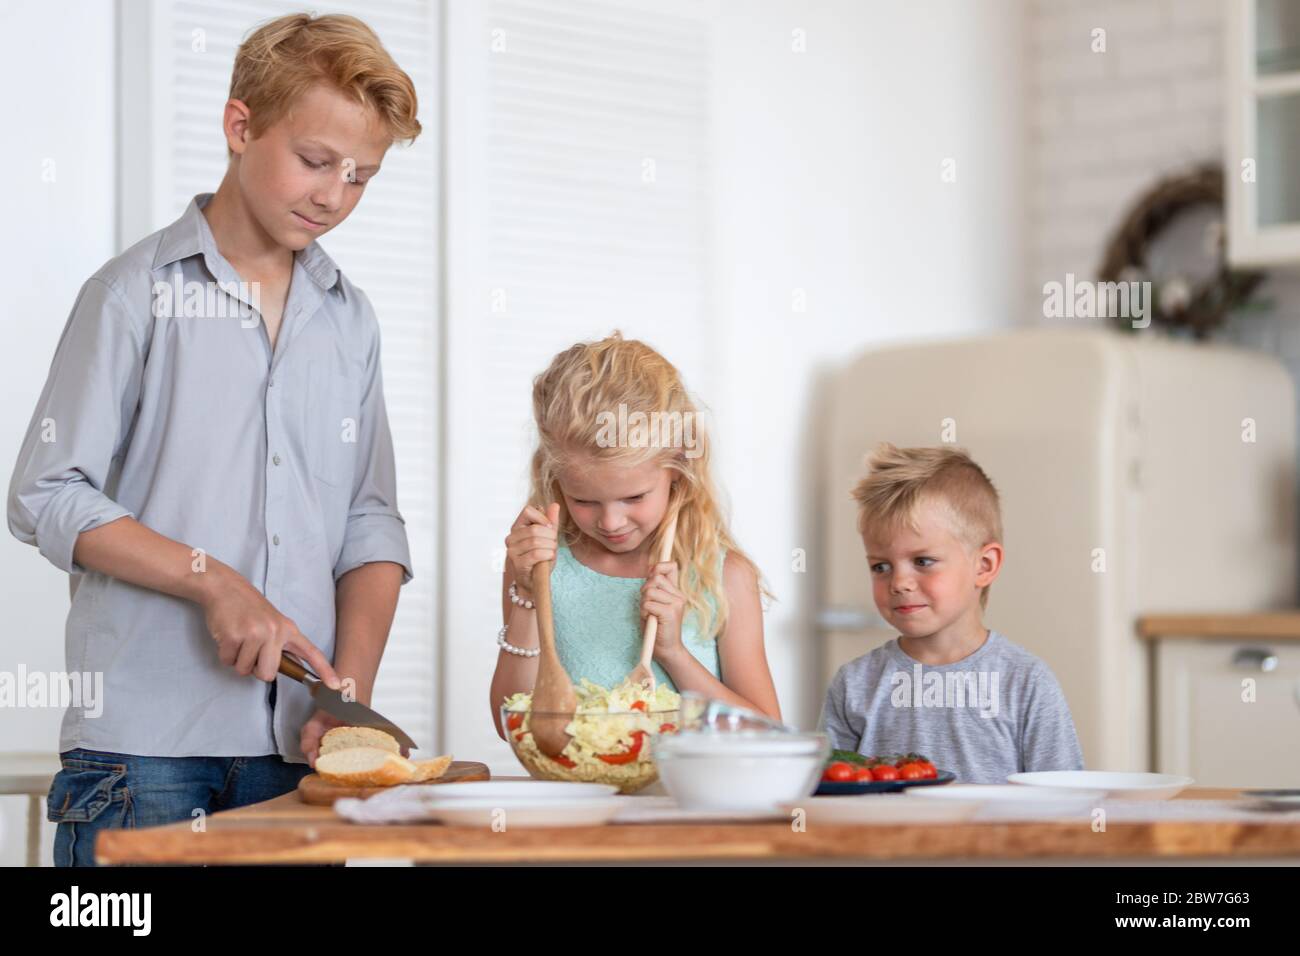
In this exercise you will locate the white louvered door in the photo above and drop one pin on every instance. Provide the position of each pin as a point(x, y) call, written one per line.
point(578, 202)
point(175, 63)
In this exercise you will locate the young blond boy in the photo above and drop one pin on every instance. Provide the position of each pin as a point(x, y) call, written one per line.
point(213, 466)
point(947, 686)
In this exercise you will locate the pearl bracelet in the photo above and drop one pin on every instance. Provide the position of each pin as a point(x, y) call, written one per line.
point(517, 600)
point(510, 648)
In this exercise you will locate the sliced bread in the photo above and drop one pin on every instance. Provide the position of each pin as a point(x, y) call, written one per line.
point(345, 738)
point(365, 767)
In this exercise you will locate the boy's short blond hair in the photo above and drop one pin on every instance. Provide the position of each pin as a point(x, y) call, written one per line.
point(899, 480)
point(285, 57)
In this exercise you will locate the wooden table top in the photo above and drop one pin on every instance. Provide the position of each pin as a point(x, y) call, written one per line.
point(285, 830)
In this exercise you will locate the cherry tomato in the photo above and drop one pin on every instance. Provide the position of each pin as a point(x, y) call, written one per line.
point(639, 705)
point(564, 761)
point(884, 772)
point(863, 775)
point(911, 771)
point(839, 772)
point(514, 721)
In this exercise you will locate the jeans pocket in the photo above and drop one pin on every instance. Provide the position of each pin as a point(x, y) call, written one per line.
point(84, 789)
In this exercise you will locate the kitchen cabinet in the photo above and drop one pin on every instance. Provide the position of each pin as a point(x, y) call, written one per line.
point(1262, 99)
point(1228, 707)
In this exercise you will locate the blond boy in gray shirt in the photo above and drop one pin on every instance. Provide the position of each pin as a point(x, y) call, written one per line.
point(947, 686)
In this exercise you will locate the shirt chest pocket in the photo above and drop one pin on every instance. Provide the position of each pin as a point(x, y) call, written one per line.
point(333, 423)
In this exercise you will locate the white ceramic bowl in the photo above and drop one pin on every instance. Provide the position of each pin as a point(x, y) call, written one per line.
point(881, 808)
point(740, 770)
point(1119, 786)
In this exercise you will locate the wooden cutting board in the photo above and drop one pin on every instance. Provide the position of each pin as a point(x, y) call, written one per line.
point(312, 789)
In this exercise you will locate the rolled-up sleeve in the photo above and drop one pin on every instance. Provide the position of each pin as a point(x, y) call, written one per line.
point(375, 529)
point(78, 428)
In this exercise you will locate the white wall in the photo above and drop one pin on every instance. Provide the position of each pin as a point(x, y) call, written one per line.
point(828, 172)
point(52, 237)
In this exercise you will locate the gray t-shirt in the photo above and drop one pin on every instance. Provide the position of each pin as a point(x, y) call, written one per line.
point(996, 712)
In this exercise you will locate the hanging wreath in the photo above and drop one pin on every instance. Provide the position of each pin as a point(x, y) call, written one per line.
point(1185, 297)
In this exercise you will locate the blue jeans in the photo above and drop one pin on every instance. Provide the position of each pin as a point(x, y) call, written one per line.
point(101, 791)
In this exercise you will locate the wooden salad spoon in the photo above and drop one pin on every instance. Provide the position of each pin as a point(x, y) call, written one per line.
point(553, 698)
point(643, 674)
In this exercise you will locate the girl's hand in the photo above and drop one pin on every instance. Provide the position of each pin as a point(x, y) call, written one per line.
point(532, 539)
point(661, 597)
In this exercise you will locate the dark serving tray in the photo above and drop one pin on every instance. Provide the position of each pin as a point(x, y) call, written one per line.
point(849, 788)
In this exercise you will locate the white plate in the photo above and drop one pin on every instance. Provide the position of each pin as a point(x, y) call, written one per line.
point(1011, 796)
point(529, 790)
point(1117, 786)
point(881, 808)
point(507, 814)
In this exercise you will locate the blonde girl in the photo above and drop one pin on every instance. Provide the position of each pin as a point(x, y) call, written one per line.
point(621, 449)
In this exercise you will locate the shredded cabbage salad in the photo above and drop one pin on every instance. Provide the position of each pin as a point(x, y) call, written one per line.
point(610, 733)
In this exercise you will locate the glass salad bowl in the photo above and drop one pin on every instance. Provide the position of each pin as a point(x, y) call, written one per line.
point(611, 748)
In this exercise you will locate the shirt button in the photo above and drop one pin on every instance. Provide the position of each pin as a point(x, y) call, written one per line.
point(270, 383)
point(276, 459)
point(275, 539)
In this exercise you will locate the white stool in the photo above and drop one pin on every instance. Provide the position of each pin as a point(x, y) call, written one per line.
point(30, 774)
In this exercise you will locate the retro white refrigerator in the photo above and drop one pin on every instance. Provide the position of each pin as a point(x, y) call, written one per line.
point(1137, 475)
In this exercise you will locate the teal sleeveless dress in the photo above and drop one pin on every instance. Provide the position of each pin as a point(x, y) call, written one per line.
point(598, 624)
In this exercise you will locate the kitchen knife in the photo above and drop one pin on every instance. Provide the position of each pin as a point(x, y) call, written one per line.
point(352, 714)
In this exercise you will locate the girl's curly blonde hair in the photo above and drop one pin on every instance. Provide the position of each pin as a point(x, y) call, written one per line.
point(574, 403)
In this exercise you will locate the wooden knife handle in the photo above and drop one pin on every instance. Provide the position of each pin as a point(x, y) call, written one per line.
point(290, 666)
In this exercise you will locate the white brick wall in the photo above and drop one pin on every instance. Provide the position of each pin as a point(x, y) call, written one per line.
point(1104, 126)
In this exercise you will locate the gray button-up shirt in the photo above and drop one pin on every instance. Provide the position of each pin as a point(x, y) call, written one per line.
point(166, 402)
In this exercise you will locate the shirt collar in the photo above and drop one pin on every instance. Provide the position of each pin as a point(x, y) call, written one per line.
point(190, 235)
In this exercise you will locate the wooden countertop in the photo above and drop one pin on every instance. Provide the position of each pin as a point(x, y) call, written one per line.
point(1267, 625)
point(285, 830)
